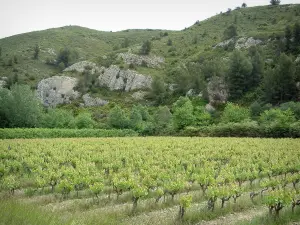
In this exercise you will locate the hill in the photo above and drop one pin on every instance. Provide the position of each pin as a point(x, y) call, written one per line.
point(249, 56)
point(191, 44)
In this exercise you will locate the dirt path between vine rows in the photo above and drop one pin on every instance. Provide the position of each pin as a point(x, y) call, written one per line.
point(234, 218)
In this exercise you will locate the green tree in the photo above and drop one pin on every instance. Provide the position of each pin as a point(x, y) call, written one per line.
point(275, 2)
point(136, 119)
point(66, 56)
point(20, 106)
point(36, 51)
point(288, 37)
point(159, 91)
point(146, 48)
point(163, 118)
point(125, 43)
point(244, 5)
point(296, 35)
point(183, 115)
point(117, 118)
point(239, 75)
point(235, 113)
point(279, 82)
point(258, 64)
point(230, 32)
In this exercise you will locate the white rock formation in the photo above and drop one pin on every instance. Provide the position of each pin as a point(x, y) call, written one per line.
point(82, 66)
point(90, 101)
point(242, 42)
point(245, 42)
point(139, 95)
point(149, 61)
point(224, 43)
point(127, 80)
point(217, 91)
point(57, 90)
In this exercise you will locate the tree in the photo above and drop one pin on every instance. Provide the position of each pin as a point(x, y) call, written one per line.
point(258, 64)
point(239, 75)
point(288, 37)
point(244, 5)
point(146, 48)
point(279, 83)
point(125, 43)
point(275, 2)
point(136, 119)
point(183, 113)
point(230, 32)
point(66, 56)
point(36, 52)
point(162, 118)
point(20, 106)
point(159, 91)
point(117, 118)
point(296, 35)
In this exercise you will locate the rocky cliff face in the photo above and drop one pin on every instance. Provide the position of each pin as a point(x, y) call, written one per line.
point(139, 60)
point(127, 80)
point(57, 90)
point(217, 91)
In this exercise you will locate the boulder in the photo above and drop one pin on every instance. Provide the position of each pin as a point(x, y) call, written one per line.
point(57, 90)
point(139, 95)
point(90, 101)
point(82, 66)
point(127, 80)
point(139, 60)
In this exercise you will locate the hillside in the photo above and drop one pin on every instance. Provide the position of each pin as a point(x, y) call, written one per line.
point(248, 56)
point(191, 44)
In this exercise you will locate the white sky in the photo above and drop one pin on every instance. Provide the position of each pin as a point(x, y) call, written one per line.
point(22, 16)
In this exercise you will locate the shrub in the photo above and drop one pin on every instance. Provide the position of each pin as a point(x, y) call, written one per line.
point(29, 133)
point(234, 113)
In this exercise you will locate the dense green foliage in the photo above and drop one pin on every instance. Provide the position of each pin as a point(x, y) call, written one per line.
point(15, 133)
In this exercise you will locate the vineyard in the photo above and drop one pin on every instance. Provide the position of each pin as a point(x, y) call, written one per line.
point(153, 180)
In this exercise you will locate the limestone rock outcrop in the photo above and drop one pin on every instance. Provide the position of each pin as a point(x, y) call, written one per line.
point(57, 90)
point(82, 66)
point(139, 60)
point(127, 80)
point(217, 91)
point(90, 101)
point(243, 42)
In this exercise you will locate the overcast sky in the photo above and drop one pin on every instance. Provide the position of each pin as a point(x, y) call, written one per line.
point(22, 16)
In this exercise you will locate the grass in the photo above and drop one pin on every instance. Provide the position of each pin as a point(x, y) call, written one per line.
point(16, 213)
point(285, 217)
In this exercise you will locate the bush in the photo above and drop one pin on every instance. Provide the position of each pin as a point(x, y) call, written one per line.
point(234, 113)
point(84, 120)
point(277, 117)
point(29, 133)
